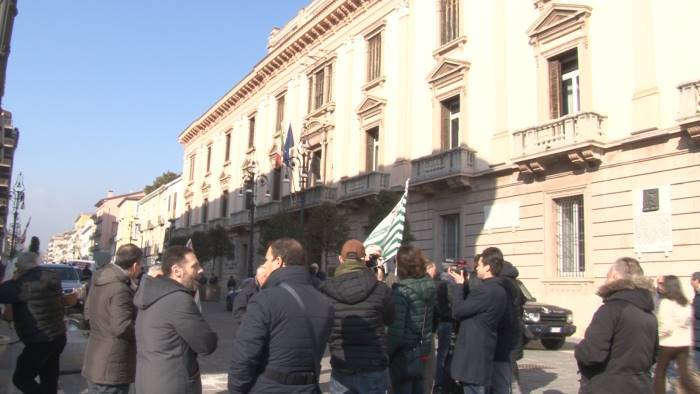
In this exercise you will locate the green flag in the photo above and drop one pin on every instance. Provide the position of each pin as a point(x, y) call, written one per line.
point(389, 232)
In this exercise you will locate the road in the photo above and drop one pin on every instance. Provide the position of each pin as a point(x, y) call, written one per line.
point(542, 371)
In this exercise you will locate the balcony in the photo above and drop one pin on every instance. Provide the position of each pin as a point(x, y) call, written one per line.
point(313, 196)
point(580, 137)
point(9, 138)
point(201, 227)
point(451, 168)
point(240, 219)
point(6, 162)
point(364, 185)
point(218, 222)
point(689, 109)
point(266, 211)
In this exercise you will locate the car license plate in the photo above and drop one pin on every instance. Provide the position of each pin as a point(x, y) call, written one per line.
point(555, 329)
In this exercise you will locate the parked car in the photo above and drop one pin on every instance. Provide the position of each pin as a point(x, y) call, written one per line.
point(70, 280)
point(232, 293)
point(550, 324)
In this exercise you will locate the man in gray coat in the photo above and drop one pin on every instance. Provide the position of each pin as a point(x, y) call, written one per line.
point(109, 364)
point(170, 330)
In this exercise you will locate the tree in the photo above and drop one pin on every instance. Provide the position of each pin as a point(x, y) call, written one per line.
point(161, 180)
point(182, 241)
point(385, 202)
point(326, 231)
point(220, 246)
point(281, 225)
point(201, 246)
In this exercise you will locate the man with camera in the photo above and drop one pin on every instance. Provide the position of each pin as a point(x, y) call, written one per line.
point(479, 314)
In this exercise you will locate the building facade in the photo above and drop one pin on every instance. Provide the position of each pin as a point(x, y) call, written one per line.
point(158, 213)
point(567, 134)
point(106, 225)
point(127, 223)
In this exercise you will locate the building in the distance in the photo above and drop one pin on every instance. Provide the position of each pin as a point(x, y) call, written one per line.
point(60, 248)
point(565, 133)
point(9, 137)
point(106, 225)
point(158, 212)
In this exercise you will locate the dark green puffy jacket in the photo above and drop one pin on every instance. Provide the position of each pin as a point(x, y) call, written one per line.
point(414, 301)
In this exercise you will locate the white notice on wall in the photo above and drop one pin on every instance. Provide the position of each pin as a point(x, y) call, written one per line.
point(502, 215)
point(652, 229)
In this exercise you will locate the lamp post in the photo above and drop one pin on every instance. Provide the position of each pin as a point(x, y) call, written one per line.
point(251, 177)
point(17, 194)
point(302, 160)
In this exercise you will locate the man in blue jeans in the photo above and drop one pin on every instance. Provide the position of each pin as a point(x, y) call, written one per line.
point(363, 307)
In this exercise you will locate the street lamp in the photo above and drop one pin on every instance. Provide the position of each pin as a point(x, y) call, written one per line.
point(251, 177)
point(17, 195)
point(302, 160)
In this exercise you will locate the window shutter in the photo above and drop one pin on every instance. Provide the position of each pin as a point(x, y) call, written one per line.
point(445, 127)
point(554, 89)
point(369, 150)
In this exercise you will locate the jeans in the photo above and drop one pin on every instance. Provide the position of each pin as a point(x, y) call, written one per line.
point(444, 331)
point(473, 388)
point(39, 359)
point(94, 388)
point(359, 382)
point(502, 377)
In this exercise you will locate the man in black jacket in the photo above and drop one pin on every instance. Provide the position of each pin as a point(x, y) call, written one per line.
point(248, 290)
point(37, 305)
point(363, 307)
point(618, 349)
point(479, 314)
point(281, 340)
point(509, 343)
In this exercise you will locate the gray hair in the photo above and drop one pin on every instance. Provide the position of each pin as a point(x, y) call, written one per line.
point(628, 268)
point(26, 261)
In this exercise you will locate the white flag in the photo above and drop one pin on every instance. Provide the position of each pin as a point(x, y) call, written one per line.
point(389, 232)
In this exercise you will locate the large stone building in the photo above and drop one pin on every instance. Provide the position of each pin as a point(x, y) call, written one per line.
point(566, 134)
point(9, 138)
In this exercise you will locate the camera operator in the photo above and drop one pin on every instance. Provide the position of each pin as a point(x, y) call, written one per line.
point(374, 261)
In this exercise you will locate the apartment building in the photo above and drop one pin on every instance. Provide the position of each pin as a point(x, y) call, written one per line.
point(158, 212)
point(566, 134)
point(106, 225)
point(9, 138)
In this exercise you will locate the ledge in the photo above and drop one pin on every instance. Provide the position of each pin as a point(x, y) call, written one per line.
point(450, 46)
point(374, 83)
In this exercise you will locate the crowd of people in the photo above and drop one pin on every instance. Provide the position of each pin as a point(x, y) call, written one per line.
point(414, 327)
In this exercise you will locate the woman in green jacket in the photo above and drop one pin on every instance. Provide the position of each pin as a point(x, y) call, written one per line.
point(410, 337)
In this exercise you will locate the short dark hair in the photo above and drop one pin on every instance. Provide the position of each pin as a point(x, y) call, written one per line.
point(410, 262)
point(493, 257)
point(172, 256)
point(673, 290)
point(128, 255)
point(696, 275)
point(289, 250)
point(34, 245)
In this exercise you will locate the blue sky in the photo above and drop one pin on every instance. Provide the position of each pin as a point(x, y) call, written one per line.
point(100, 90)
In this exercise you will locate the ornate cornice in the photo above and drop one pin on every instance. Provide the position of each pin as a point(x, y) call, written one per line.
point(326, 22)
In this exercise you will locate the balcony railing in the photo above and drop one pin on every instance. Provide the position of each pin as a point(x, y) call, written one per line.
point(240, 218)
point(446, 164)
point(218, 222)
point(312, 197)
point(563, 132)
point(201, 227)
point(689, 101)
point(363, 185)
point(267, 210)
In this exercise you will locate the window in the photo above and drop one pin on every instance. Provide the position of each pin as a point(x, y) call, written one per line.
point(208, 158)
point(174, 205)
point(276, 183)
point(450, 123)
point(224, 204)
point(192, 162)
point(188, 216)
point(449, 21)
point(320, 91)
point(570, 237)
point(251, 131)
point(205, 210)
point(227, 152)
point(450, 237)
point(316, 166)
point(564, 87)
point(279, 124)
point(372, 145)
point(374, 57)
